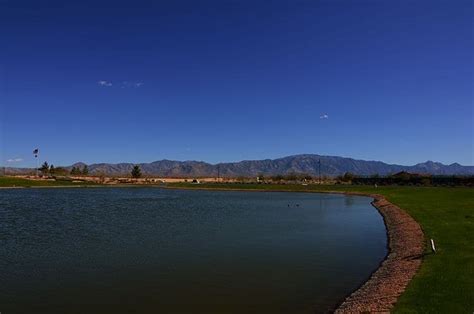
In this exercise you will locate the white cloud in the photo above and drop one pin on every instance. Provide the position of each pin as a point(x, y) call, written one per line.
point(15, 160)
point(324, 116)
point(129, 84)
point(104, 83)
point(124, 84)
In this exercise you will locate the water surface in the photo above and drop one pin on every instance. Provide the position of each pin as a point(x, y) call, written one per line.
point(149, 250)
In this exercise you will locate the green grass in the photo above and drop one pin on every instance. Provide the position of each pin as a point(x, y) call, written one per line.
point(445, 281)
point(20, 182)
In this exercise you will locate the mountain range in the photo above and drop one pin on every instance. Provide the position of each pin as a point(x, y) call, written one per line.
point(306, 163)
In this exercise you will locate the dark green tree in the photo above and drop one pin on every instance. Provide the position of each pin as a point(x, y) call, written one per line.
point(44, 168)
point(348, 177)
point(52, 170)
point(136, 172)
point(85, 170)
point(75, 171)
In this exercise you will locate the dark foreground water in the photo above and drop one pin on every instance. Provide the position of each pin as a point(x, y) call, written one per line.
point(148, 250)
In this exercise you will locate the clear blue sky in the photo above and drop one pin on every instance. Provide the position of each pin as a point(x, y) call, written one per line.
point(138, 81)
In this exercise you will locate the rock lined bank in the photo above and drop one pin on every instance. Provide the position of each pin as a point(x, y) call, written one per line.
point(406, 245)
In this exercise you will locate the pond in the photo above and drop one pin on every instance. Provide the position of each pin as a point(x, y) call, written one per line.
point(152, 250)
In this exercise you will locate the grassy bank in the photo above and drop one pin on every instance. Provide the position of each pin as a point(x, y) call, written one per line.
point(445, 282)
point(20, 182)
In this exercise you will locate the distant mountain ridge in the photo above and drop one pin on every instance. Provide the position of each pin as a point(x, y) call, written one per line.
point(306, 163)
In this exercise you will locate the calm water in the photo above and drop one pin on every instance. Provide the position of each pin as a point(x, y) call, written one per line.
point(148, 250)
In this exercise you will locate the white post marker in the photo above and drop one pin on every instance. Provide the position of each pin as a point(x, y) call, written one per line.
point(433, 246)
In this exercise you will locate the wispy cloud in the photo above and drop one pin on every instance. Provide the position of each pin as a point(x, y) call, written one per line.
point(15, 160)
point(104, 83)
point(123, 84)
point(324, 116)
point(129, 84)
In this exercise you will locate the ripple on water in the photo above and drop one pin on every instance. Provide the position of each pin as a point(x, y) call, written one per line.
point(152, 250)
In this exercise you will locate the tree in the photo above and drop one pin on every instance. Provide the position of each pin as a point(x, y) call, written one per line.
point(348, 177)
point(44, 168)
point(136, 172)
point(75, 171)
point(52, 170)
point(85, 170)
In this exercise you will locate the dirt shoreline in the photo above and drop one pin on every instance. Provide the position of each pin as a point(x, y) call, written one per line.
point(406, 246)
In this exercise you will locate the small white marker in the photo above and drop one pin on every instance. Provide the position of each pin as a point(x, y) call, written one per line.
point(433, 246)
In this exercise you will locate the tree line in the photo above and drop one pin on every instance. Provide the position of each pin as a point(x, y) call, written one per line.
point(407, 178)
point(401, 178)
point(47, 169)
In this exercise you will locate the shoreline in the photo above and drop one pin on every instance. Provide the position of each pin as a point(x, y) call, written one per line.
point(405, 244)
point(405, 251)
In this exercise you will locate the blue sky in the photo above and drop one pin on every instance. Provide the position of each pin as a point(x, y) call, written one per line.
point(138, 81)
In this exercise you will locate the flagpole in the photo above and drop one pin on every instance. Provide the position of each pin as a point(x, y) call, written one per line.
point(36, 153)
